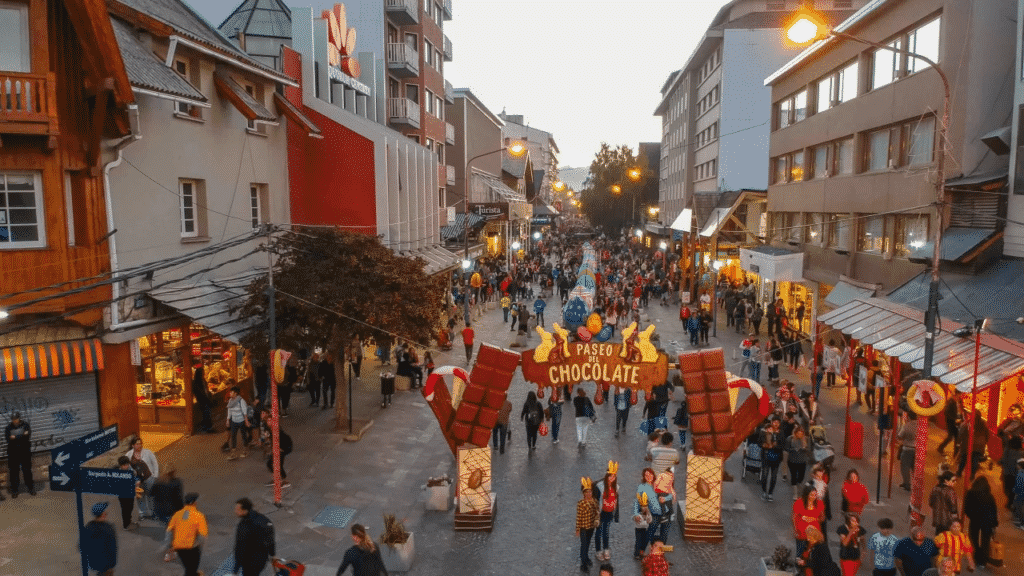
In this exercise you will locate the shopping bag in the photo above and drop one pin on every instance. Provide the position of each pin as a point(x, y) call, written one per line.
point(996, 551)
point(288, 568)
point(543, 430)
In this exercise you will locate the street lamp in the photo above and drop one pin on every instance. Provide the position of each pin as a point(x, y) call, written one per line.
point(616, 189)
point(558, 186)
point(653, 211)
point(515, 149)
point(807, 26)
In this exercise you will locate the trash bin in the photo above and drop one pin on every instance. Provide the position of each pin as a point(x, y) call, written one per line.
point(387, 388)
point(855, 441)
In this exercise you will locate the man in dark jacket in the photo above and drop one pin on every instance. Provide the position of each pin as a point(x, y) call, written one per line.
point(19, 453)
point(99, 542)
point(254, 540)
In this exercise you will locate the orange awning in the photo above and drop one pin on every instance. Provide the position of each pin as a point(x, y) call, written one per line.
point(289, 111)
point(50, 359)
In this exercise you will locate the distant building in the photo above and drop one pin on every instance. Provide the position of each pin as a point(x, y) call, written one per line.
point(543, 153)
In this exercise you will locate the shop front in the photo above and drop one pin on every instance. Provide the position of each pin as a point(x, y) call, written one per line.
point(777, 274)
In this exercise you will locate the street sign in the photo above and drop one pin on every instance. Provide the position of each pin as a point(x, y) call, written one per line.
point(61, 480)
point(113, 481)
point(71, 455)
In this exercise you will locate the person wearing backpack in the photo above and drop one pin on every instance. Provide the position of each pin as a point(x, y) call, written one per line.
point(237, 419)
point(533, 414)
point(254, 540)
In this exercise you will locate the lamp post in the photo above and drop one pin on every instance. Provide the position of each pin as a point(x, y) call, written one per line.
point(516, 149)
point(805, 27)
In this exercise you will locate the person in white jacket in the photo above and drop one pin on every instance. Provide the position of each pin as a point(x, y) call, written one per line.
point(144, 462)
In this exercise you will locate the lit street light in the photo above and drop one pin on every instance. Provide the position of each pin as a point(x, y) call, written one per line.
point(558, 186)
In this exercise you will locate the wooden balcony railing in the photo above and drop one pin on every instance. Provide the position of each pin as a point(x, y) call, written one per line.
point(26, 101)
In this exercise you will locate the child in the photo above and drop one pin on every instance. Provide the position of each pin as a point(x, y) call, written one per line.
point(586, 521)
point(655, 564)
point(641, 521)
point(882, 544)
point(664, 487)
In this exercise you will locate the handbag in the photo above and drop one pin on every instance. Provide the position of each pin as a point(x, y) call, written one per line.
point(543, 429)
point(996, 551)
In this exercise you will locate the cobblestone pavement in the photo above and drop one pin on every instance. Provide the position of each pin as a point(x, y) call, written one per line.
point(386, 472)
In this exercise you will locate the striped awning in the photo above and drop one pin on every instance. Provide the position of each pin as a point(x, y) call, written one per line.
point(50, 359)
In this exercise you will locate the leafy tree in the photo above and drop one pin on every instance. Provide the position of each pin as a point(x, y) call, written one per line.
point(603, 203)
point(332, 284)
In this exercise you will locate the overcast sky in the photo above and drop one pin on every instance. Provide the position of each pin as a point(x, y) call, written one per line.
point(586, 70)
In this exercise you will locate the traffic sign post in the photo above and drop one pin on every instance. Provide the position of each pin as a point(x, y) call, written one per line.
point(67, 474)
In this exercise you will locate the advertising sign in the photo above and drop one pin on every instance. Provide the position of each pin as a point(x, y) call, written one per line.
point(490, 211)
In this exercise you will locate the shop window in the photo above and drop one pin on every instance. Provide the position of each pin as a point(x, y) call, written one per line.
point(911, 233)
point(15, 45)
point(22, 220)
point(872, 238)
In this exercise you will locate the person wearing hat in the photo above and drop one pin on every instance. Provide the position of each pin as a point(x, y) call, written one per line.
point(19, 453)
point(606, 492)
point(99, 542)
point(186, 533)
point(586, 521)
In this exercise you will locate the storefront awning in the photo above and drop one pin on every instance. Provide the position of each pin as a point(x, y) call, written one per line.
point(438, 259)
point(210, 303)
point(845, 292)
point(683, 222)
point(898, 331)
point(454, 231)
point(715, 220)
point(773, 264)
point(50, 359)
point(958, 245)
point(518, 204)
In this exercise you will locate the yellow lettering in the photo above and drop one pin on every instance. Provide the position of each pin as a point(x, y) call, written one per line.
point(617, 375)
point(553, 375)
point(604, 372)
point(575, 373)
point(563, 373)
point(636, 374)
point(585, 372)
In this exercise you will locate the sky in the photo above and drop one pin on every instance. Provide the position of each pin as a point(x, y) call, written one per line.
point(588, 71)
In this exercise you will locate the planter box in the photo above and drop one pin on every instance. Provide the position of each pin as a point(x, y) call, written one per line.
point(765, 571)
point(439, 497)
point(398, 558)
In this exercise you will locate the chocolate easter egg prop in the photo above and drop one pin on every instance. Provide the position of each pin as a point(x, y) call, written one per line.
point(594, 323)
point(703, 488)
point(604, 335)
point(583, 334)
point(476, 478)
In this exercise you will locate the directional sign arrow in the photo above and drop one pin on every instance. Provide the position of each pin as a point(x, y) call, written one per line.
point(63, 478)
point(61, 458)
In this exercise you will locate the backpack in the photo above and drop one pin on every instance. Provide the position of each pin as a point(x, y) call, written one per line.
point(534, 415)
point(685, 314)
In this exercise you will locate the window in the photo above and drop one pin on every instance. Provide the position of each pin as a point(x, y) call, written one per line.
point(837, 87)
point(796, 166)
point(815, 229)
point(428, 53)
point(908, 144)
point(193, 208)
point(843, 157)
point(429, 102)
point(821, 165)
point(886, 65)
point(793, 228)
point(251, 124)
point(839, 231)
point(921, 142)
point(785, 113)
point(188, 72)
point(439, 106)
point(824, 94)
point(923, 41)
point(788, 168)
point(847, 85)
point(911, 233)
point(438, 15)
point(780, 170)
point(438, 60)
point(872, 237)
point(15, 53)
point(878, 150)
point(22, 222)
point(258, 203)
point(412, 92)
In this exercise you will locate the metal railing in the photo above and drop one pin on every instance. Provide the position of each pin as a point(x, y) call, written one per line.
point(449, 92)
point(405, 11)
point(449, 133)
point(403, 110)
point(450, 175)
point(402, 53)
point(447, 49)
point(447, 9)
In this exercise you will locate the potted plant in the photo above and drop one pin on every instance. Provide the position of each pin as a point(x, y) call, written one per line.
point(780, 563)
point(439, 493)
point(397, 548)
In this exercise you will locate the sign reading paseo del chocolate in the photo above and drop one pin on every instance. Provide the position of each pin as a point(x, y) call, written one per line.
point(635, 363)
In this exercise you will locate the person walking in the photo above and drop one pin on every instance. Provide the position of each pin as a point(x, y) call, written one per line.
point(851, 544)
point(201, 398)
point(284, 442)
point(186, 533)
point(237, 419)
point(855, 494)
point(606, 492)
point(655, 564)
point(951, 417)
point(533, 414)
point(622, 401)
point(817, 558)
point(586, 522)
point(147, 470)
point(954, 544)
point(585, 415)
point(168, 494)
point(355, 354)
point(646, 488)
point(830, 357)
point(882, 545)
point(915, 553)
point(18, 434)
point(555, 402)
point(774, 358)
point(770, 440)
point(500, 431)
point(284, 389)
point(943, 502)
point(798, 451)
point(808, 512)
point(642, 520)
point(254, 540)
point(127, 504)
point(328, 379)
point(99, 542)
point(538, 309)
point(364, 556)
point(506, 306)
point(755, 319)
point(755, 360)
point(467, 340)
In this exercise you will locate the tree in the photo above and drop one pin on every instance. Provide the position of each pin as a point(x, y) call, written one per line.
point(332, 284)
point(610, 198)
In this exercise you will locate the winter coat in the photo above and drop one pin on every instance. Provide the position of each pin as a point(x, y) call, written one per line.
point(99, 545)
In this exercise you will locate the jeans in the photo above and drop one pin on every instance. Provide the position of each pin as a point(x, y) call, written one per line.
point(329, 388)
point(582, 425)
point(540, 318)
point(796, 472)
point(640, 542)
point(801, 546)
point(190, 560)
point(694, 338)
point(498, 438)
point(980, 538)
point(585, 537)
point(621, 416)
point(531, 435)
point(665, 519)
point(769, 473)
point(234, 428)
point(907, 456)
point(556, 421)
point(755, 371)
point(601, 539)
point(146, 503)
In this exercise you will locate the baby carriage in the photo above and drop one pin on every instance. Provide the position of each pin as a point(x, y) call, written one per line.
point(752, 457)
point(824, 454)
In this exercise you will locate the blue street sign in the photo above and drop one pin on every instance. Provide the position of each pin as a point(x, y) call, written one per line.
point(74, 453)
point(113, 481)
point(63, 481)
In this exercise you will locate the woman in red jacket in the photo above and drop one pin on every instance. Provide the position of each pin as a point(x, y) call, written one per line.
point(855, 494)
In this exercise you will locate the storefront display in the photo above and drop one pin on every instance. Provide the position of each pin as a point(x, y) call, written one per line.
point(167, 362)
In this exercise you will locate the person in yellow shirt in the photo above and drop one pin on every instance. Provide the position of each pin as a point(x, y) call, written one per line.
point(955, 544)
point(186, 533)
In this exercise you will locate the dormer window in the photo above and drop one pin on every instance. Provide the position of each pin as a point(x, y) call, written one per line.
point(186, 70)
point(15, 55)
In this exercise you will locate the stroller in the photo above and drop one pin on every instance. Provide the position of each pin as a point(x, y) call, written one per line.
point(753, 457)
point(824, 454)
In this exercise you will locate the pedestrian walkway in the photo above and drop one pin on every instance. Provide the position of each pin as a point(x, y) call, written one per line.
point(335, 482)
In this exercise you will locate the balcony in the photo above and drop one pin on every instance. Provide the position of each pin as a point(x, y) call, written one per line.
point(28, 103)
point(404, 111)
point(403, 12)
point(449, 133)
point(447, 49)
point(447, 9)
point(450, 175)
point(403, 60)
point(449, 92)
point(442, 175)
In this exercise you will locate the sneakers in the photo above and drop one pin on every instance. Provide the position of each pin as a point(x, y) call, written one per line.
point(232, 456)
point(770, 499)
point(286, 484)
point(555, 441)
